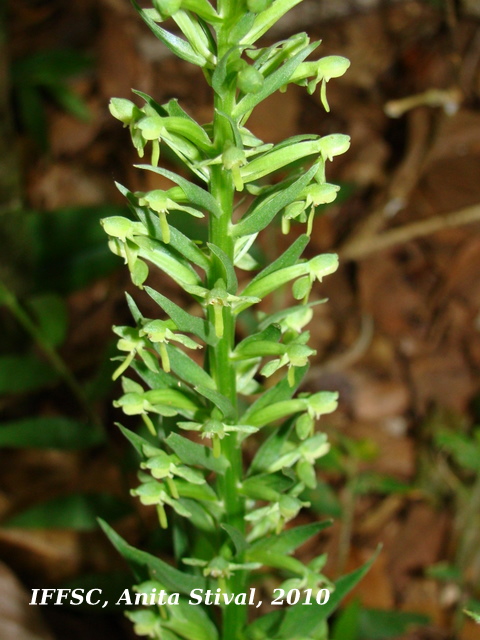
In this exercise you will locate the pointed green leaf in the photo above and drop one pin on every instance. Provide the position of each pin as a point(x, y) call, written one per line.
point(271, 449)
point(307, 618)
point(196, 454)
point(259, 348)
point(173, 265)
point(288, 259)
point(195, 491)
point(177, 45)
point(280, 392)
point(278, 561)
point(219, 400)
point(266, 486)
point(189, 622)
point(265, 626)
point(237, 538)
point(184, 320)
point(187, 369)
point(137, 441)
point(134, 310)
point(219, 77)
point(276, 411)
point(140, 561)
point(272, 333)
point(263, 211)
point(230, 276)
point(288, 541)
point(282, 155)
point(172, 399)
point(267, 18)
point(194, 193)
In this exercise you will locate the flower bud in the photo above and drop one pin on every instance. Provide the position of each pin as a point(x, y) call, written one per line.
point(249, 80)
point(306, 474)
point(167, 8)
point(304, 426)
point(124, 110)
point(255, 6)
point(334, 145)
point(301, 288)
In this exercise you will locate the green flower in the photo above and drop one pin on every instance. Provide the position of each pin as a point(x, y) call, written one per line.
point(161, 332)
point(218, 298)
point(153, 493)
point(161, 202)
point(215, 430)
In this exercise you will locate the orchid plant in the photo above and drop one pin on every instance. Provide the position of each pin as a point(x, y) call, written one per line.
point(228, 514)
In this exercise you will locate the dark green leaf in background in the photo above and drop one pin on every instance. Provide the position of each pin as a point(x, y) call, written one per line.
point(20, 374)
point(79, 511)
point(49, 433)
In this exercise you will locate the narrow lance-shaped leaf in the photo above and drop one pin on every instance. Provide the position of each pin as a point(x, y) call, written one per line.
point(278, 393)
point(237, 538)
point(187, 369)
point(196, 194)
point(156, 253)
point(277, 158)
point(231, 282)
point(177, 45)
point(265, 211)
point(219, 400)
point(287, 259)
point(271, 449)
point(191, 27)
point(196, 454)
point(145, 565)
point(267, 18)
point(137, 441)
point(307, 618)
point(184, 320)
point(288, 541)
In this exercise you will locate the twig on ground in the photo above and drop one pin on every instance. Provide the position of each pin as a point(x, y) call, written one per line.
point(368, 245)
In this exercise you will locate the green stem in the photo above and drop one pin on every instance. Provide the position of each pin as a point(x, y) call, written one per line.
point(223, 371)
point(57, 363)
